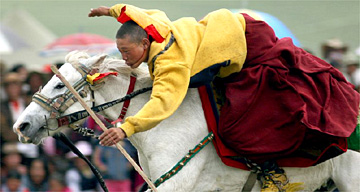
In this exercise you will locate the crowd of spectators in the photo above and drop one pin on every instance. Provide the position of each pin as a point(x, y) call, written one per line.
point(51, 166)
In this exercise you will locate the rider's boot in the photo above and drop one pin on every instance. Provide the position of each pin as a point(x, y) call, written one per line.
point(274, 179)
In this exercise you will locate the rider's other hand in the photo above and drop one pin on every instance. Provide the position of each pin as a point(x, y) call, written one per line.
point(112, 136)
point(100, 11)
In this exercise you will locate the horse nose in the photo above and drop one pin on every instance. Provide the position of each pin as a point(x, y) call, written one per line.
point(20, 130)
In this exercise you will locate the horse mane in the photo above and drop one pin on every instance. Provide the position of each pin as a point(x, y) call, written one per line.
point(74, 57)
point(109, 64)
point(118, 65)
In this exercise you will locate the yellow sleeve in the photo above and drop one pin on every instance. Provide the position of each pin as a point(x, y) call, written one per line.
point(169, 89)
point(144, 17)
point(116, 10)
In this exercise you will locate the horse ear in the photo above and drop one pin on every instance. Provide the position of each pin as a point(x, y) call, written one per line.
point(99, 61)
point(96, 64)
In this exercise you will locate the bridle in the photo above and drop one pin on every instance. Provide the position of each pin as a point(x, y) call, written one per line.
point(60, 103)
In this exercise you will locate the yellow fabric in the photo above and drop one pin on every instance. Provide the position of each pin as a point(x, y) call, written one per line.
point(219, 37)
point(275, 182)
point(90, 78)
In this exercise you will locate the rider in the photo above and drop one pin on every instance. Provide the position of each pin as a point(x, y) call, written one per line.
point(277, 96)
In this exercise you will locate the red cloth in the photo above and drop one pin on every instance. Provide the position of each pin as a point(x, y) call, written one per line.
point(222, 150)
point(285, 98)
point(118, 185)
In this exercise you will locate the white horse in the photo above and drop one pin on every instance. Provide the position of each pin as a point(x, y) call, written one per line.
point(163, 146)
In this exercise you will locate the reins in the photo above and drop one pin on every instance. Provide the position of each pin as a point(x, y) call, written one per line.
point(76, 116)
point(60, 136)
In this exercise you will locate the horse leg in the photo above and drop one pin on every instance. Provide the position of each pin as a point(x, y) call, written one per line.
point(346, 172)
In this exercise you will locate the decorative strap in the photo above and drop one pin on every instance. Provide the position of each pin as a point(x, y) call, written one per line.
point(168, 45)
point(184, 160)
point(76, 116)
point(126, 102)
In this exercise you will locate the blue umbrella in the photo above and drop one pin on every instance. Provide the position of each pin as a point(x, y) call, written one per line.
point(279, 27)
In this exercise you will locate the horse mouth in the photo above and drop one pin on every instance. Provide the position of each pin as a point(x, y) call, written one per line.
point(26, 138)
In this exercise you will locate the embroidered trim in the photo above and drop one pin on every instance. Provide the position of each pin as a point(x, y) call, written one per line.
point(171, 41)
point(185, 160)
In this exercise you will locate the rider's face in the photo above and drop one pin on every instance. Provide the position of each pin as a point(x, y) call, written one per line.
point(133, 53)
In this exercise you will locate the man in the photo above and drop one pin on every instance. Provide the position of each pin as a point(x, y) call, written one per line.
point(13, 106)
point(277, 97)
point(333, 51)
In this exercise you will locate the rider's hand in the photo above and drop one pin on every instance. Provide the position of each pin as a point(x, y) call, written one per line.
point(100, 11)
point(112, 136)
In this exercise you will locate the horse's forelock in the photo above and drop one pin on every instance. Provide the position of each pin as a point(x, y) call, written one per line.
point(112, 64)
point(74, 57)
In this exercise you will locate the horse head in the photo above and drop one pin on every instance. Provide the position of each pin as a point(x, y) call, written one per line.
point(39, 119)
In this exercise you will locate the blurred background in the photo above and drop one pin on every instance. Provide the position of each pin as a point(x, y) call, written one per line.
point(35, 34)
point(40, 22)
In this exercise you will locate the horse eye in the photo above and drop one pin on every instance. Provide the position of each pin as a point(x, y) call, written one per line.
point(60, 86)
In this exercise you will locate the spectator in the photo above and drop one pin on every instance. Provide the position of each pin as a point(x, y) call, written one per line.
point(12, 107)
point(11, 159)
point(23, 73)
point(333, 52)
point(115, 168)
point(10, 111)
point(21, 70)
point(2, 74)
point(352, 73)
point(80, 177)
point(13, 182)
point(37, 177)
point(57, 183)
point(35, 80)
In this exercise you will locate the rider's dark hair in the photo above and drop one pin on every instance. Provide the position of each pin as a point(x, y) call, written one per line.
point(133, 30)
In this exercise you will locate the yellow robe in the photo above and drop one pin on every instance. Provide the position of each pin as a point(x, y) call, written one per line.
point(219, 38)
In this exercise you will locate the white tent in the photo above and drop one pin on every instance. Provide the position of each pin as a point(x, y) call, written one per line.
point(35, 35)
point(5, 47)
point(29, 28)
point(10, 41)
point(357, 51)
